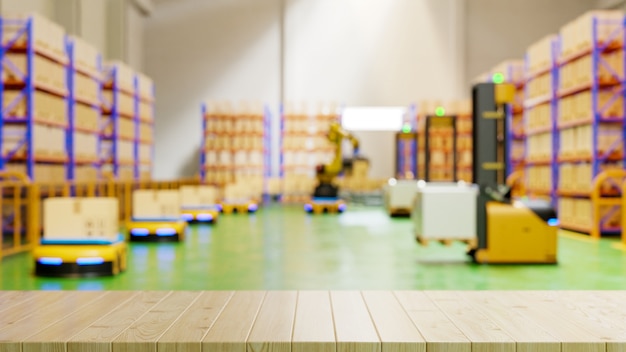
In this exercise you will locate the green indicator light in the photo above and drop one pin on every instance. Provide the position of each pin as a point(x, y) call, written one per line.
point(406, 128)
point(498, 78)
point(439, 111)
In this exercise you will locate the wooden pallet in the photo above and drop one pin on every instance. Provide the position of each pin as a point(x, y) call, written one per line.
point(454, 321)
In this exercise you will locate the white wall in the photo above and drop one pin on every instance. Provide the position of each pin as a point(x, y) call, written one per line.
point(200, 50)
point(499, 30)
point(43, 7)
point(372, 52)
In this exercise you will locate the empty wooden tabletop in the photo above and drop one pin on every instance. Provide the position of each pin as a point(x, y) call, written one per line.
point(325, 321)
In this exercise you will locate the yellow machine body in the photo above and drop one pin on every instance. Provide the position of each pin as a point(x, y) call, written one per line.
point(516, 235)
point(80, 259)
point(156, 230)
point(249, 206)
point(200, 214)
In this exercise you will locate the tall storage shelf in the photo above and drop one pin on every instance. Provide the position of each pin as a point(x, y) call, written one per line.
point(119, 111)
point(144, 127)
point(590, 119)
point(540, 123)
point(33, 97)
point(445, 145)
point(235, 145)
point(303, 146)
point(85, 96)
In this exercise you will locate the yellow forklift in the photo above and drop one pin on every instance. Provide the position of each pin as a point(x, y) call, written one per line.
point(508, 231)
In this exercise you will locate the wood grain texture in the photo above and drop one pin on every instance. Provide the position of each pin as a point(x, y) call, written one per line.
point(273, 326)
point(484, 334)
point(529, 336)
point(143, 333)
point(98, 336)
point(314, 329)
point(187, 333)
point(72, 324)
point(573, 338)
point(10, 298)
point(55, 310)
point(440, 333)
point(230, 331)
point(23, 309)
point(396, 330)
point(354, 328)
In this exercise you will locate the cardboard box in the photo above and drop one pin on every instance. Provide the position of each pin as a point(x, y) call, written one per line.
point(125, 102)
point(146, 111)
point(85, 174)
point(87, 89)
point(81, 218)
point(540, 54)
point(162, 204)
point(86, 146)
point(46, 72)
point(86, 118)
point(46, 107)
point(48, 37)
point(86, 57)
point(196, 196)
point(119, 74)
point(145, 86)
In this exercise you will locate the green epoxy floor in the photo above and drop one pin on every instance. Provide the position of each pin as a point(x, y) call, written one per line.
point(281, 247)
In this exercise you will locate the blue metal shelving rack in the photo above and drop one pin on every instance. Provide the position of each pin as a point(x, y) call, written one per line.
point(114, 113)
point(203, 109)
point(406, 147)
point(551, 100)
point(27, 88)
point(596, 159)
point(71, 106)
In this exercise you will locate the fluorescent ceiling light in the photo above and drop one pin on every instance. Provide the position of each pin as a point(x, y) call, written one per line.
point(373, 118)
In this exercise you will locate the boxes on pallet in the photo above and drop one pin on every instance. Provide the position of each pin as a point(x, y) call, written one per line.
point(539, 147)
point(146, 132)
point(274, 185)
point(540, 55)
point(197, 196)
point(42, 173)
point(145, 87)
point(80, 218)
point(46, 73)
point(119, 74)
point(47, 36)
point(125, 102)
point(578, 35)
point(608, 144)
point(566, 208)
point(539, 178)
point(86, 57)
point(86, 118)
point(580, 72)
point(124, 151)
point(539, 117)
point(46, 107)
point(85, 174)
point(163, 204)
point(85, 146)
point(518, 149)
point(145, 153)
point(125, 127)
point(146, 111)
point(86, 89)
point(540, 86)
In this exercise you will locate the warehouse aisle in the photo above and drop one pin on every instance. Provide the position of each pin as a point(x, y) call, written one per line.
point(284, 248)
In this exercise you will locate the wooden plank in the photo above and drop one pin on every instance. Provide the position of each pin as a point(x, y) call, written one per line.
point(396, 330)
point(9, 298)
point(484, 334)
point(354, 328)
point(573, 338)
point(55, 336)
point(440, 333)
point(605, 325)
point(273, 326)
point(12, 335)
point(142, 335)
point(39, 301)
point(98, 336)
point(231, 329)
point(314, 329)
point(529, 337)
point(186, 335)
